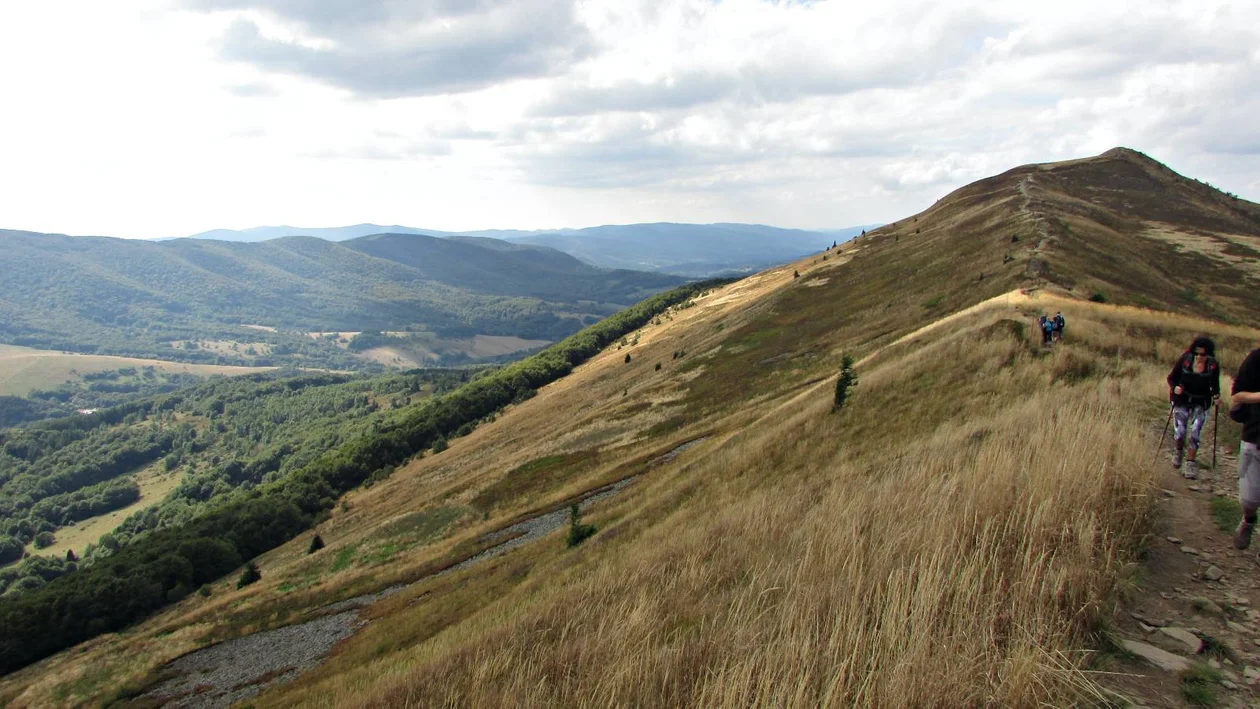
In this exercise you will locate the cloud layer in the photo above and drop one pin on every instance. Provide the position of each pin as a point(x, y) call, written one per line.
point(807, 114)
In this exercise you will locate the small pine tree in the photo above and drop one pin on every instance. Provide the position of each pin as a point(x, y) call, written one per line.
point(70, 555)
point(578, 532)
point(627, 358)
point(845, 382)
point(440, 444)
point(833, 244)
point(317, 543)
point(658, 366)
point(249, 575)
point(796, 274)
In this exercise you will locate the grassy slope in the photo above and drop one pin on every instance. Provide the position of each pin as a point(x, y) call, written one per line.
point(951, 536)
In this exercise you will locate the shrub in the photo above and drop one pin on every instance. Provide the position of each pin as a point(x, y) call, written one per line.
point(250, 575)
point(440, 444)
point(1098, 297)
point(204, 591)
point(796, 274)
point(627, 358)
point(44, 540)
point(658, 366)
point(578, 532)
point(845, 382)
point(317, 543)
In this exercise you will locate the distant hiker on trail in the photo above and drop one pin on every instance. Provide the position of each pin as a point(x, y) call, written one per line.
point(1194, 385)
point(1047, 328)
point(1245, 409)
point(1058, 322)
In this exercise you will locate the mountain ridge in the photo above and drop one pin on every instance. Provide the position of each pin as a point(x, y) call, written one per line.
point(768, 543)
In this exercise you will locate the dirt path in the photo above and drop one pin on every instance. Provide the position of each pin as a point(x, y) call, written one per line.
point(1196, 598)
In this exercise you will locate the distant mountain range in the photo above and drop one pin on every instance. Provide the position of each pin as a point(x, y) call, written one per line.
point(694, 250)
point(128, 296)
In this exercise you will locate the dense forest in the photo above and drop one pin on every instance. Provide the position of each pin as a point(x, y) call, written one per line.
point(136, 298)
point(166, 563)
point(217, 438)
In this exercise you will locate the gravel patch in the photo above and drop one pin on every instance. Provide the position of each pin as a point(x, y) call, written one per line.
point(235, 670)
point(239, 669)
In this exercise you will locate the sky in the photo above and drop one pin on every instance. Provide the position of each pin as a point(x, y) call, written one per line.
point(158, 118)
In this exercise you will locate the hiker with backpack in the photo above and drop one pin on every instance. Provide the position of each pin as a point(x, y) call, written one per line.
point(1245, 409)
point(1058, 322)
point(1194, 385)
point(1047, 329)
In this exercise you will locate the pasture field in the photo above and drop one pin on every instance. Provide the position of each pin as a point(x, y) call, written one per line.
point(23, 369)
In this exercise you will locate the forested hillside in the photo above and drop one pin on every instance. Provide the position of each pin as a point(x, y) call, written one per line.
point(213, 440)
point(159, 299)
point(280, 481)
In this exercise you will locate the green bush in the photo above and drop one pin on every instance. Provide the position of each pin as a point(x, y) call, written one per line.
point(251, 574)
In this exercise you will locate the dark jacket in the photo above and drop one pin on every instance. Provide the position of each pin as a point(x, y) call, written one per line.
point(1198, 388)
point(1248, 379)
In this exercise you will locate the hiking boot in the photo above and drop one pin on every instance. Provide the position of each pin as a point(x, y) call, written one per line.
point(1181, 451)
point(1242, 536)
point(1192, 466)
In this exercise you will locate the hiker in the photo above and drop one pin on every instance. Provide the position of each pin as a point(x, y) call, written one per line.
point(1194, 386)
point(1059, 322)
point(1047, 329)
point(1245, 409)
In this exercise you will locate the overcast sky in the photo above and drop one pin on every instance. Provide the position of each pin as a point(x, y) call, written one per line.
point(147, 118)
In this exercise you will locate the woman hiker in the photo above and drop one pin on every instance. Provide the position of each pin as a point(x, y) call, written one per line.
point(1245, 409)
point(1194, 386)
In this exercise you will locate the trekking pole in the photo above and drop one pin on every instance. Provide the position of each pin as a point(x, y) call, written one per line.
point(1161, 436)
point(1216, 422)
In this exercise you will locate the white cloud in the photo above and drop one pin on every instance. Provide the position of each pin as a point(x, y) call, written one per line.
point(167, 117)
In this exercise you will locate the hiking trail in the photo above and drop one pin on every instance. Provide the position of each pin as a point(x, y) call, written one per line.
point(1191, 630)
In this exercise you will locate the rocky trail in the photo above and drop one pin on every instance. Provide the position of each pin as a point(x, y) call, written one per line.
point(1189, 632)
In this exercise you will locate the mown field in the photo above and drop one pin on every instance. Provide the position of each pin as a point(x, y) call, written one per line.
point(24, 369)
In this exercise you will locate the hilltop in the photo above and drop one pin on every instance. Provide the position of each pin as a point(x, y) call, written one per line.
point(694, 250)
point(959, 533)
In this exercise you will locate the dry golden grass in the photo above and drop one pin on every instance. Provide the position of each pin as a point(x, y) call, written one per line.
point(952, 544)
point(950, 538)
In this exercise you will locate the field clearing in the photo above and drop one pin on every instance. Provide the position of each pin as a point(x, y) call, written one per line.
point(225, 347)
point(154, 486)
point(24, 369)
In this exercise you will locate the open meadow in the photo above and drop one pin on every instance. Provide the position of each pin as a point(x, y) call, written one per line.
point(23, 369)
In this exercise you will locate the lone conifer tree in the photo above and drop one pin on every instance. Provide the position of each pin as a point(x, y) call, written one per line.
point(249, 575)
point(845, 382)
point(70, 555)
point(796, 274)
point(317, 543)
point(627, 358)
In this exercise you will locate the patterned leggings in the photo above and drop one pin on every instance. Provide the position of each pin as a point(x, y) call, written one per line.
point(1195, 416)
